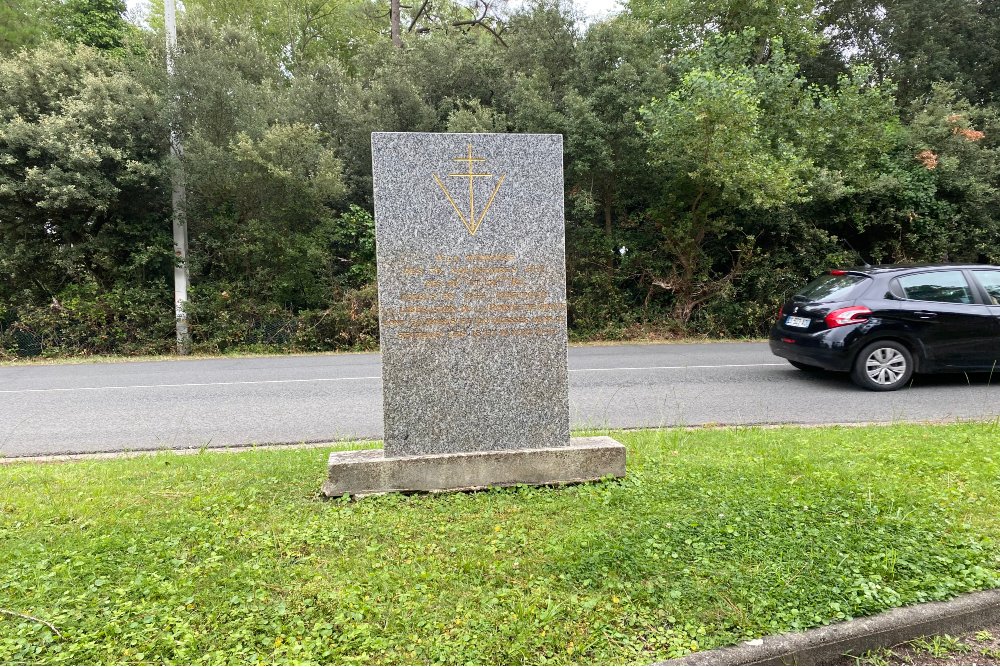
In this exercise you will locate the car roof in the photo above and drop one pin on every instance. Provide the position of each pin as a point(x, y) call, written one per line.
point(900, 268)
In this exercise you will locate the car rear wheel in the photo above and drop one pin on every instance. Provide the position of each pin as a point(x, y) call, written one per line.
point(883, 366)
point(804, 367)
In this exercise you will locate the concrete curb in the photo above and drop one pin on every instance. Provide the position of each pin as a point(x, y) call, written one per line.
point(185, 451)
point(67, 457)
point(828, 645)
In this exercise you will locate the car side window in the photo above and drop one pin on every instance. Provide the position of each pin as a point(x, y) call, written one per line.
point(940, 286)
point(991, 281)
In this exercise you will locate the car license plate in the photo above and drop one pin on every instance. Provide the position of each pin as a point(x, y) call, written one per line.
point(800, 322)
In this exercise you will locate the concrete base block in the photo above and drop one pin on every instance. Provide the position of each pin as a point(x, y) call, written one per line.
point(371, 472)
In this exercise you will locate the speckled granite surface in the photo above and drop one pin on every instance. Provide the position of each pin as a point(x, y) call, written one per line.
point(472, 291)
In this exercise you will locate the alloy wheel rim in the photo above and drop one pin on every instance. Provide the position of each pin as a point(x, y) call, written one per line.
point(885, 366)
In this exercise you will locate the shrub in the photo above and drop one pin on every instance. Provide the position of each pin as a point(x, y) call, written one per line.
point(85, 320)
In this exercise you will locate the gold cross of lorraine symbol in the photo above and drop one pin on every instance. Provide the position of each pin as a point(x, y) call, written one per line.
point(472, 222)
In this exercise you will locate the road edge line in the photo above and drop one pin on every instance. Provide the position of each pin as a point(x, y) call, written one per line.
point(346, 444)
point(69, 457)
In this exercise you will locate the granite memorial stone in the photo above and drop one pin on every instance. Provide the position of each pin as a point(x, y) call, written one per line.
point(472, 312)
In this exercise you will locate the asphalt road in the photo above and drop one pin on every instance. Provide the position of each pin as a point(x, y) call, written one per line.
point(100, 407)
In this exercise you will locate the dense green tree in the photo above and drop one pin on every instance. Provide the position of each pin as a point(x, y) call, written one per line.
point(743, 147)
point(294, 31)
point(917, 43)
point(717, 153)
point(97, 23)
point(683, 24)
point(256, 207)
point(720, 151)
point(947, 185)
point(83, 211)
point(271, 235)
point(82, 144)
point(22, 23)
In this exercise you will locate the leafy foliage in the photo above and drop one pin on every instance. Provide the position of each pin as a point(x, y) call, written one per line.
point(20, 24)
point(81, 178)
point(97, 23)
point(717, 153)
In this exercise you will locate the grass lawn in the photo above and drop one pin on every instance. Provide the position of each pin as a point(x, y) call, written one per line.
point(715, 536)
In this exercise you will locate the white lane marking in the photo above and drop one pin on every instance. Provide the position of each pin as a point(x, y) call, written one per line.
point(187, 384)
point(669, 368)
point(344, 379)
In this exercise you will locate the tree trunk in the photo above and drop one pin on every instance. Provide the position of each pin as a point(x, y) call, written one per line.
point(608, 224)
point(397, 41)
point(609, 227)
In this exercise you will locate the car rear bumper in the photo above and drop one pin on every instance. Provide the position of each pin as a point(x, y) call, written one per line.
point(825, 349)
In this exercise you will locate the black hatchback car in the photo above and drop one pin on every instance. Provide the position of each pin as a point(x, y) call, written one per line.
point(884, 323)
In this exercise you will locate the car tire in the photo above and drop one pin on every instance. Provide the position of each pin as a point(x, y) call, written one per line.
point(804, 367)
point(884, 365)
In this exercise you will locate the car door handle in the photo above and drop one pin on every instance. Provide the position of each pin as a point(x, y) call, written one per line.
point(925, 314)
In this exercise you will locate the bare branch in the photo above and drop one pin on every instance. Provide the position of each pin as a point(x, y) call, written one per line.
point(481, 21)
point(26, 617)
point(494, 33)
point(419, 13)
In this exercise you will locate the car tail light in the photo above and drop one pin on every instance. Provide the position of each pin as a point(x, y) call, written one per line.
point(837, 272)
point(843, 316)
point(781, 311)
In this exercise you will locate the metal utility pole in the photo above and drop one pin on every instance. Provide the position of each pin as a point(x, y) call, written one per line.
point(177, 199)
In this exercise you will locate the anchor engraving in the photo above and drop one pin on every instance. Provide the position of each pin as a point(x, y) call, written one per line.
point(471, 221)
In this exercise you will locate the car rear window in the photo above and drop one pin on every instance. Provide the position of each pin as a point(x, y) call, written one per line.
point(829, 287)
